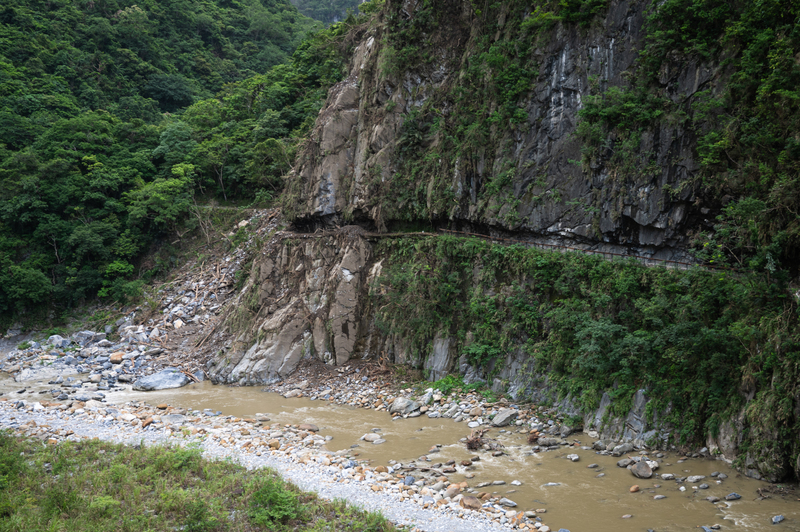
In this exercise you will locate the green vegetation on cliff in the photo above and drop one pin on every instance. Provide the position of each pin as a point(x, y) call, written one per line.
point(495, 76)
point(745, 120)
point(326, 10)
point(698, 341)
point(740, 123)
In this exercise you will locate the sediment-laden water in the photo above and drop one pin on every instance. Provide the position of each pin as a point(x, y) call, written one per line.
point(585, 499)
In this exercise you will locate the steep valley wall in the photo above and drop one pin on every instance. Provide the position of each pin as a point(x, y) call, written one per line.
point(522, 173)
point(395, 146)
point(526, 322)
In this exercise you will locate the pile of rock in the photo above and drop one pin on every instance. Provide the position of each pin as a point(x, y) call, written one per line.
point(87, 364)
point(203, 287)
point(195, 298)
point(353, 386)
point(639, 466)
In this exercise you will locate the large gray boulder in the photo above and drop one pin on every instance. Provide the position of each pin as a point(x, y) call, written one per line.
point(427, 397)
point(163, 380)
point(504, 417)
point(83, 338)
point(173, 419)
point(621, 449)
point(641, 470)
point(403, 405)
point(59, 341)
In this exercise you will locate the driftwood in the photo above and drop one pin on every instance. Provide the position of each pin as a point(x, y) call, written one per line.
point(476, 441)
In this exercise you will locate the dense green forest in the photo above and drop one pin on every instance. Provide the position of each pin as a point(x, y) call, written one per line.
point(115, 117)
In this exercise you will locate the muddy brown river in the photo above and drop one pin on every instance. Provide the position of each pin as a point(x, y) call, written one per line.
point(585, 499)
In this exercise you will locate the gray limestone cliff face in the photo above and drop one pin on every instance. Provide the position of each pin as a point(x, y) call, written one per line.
point(353, 152)
point(304, 298)
point(308, 296)
point(313, 296)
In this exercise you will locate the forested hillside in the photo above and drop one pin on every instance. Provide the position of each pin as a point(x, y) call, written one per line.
point(134, 60)
point(115, 116)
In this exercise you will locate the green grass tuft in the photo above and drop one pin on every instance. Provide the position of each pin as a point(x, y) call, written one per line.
point(95, 486)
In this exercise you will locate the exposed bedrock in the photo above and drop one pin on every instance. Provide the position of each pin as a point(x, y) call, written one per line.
point(306, 297)
point(313, 296)
point(310, 295)
point(353, 155)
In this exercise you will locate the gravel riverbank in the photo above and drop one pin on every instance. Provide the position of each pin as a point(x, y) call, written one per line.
point(80, 370)
point(297, 452)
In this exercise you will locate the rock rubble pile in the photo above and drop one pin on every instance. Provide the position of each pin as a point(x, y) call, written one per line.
point(85, 365)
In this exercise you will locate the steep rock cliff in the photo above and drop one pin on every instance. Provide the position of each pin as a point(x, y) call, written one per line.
point(304, 297)
point(536, 325)
point(393, 142)
point(451, 117)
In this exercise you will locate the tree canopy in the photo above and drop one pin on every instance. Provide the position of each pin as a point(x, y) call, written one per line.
point(114, 115)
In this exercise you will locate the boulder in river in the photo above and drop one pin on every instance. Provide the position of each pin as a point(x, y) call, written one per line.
point(504, 417)
point(621, 449)
point(566, 430)
point(163, 380)
point(548, 442)
point(403, 405)
point(641, 470)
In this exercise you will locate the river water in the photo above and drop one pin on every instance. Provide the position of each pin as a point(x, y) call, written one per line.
point(581, 502)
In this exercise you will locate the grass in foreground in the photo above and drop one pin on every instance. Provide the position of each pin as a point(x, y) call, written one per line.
point(97, 486)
